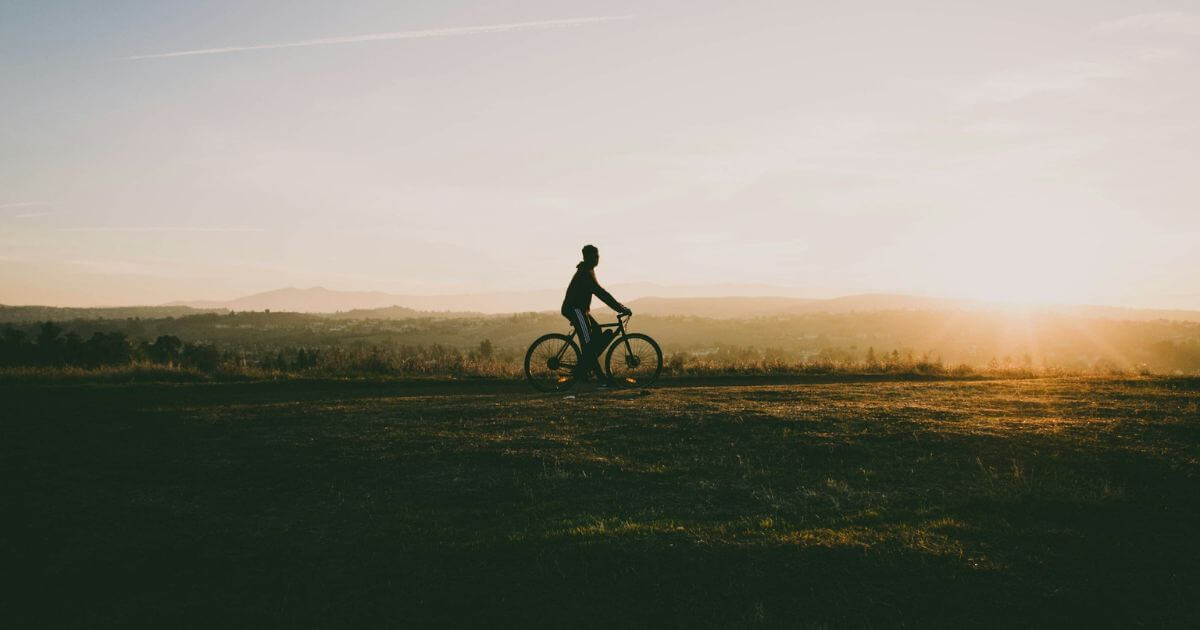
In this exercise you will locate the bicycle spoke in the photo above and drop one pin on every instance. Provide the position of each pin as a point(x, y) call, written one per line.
point(550, 363)
point(633, 361)
point(553, 362)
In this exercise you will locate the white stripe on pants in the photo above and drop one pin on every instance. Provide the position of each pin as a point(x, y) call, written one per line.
point(585, 332)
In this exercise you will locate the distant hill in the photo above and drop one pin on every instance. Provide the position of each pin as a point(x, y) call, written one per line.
point(885, 302)
point(750, 307)
point(734, 307)
point(55, 313)
point(639, 296)
point(314, 300)
point(348, 304)
point(322, 300)
point(400, 312)
point(380, 305)
point(769, 306)
point(1130, 314)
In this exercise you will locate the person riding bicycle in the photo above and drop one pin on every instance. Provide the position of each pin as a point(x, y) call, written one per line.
point(576, 308)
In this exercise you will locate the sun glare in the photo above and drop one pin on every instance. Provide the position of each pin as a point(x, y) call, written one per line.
point(1023, 261)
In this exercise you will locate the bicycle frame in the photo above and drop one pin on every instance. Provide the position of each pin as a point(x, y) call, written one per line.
point(639, 363)
point(619, 325)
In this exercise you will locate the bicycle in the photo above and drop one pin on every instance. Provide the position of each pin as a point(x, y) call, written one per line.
point(553, 360)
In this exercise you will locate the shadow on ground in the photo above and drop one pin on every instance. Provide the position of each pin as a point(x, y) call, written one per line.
point(1052, 502)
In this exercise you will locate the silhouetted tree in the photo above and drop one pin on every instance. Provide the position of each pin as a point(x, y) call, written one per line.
point(15, 348)
point(202, 356)
point(165, 349)
point(49, 345)
point(309, 359)
point(12, 336)
point(107, 349)
point(48, 333)
point(74, 349)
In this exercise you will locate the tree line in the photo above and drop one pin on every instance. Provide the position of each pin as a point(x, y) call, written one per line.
point(51, 347)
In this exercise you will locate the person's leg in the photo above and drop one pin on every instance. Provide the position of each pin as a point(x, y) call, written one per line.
point(570, 317)
point(597, 336)
point(583, 325)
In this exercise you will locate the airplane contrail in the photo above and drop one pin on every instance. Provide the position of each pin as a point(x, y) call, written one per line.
point(162, 228)
point(374, 37)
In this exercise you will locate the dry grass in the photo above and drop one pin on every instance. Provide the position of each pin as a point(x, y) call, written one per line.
point(896, 503)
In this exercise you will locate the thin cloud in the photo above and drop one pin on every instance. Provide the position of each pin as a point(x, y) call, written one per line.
point(31, 215)
point(1014, 85)
point(1162, 21)
point(162, 228)
point(375, 37)
point(24, 204)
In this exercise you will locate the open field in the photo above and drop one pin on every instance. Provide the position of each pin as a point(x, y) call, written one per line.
point(792, 502)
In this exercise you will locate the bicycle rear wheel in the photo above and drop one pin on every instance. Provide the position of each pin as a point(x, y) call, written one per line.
point(550, 363)
point(634, 360)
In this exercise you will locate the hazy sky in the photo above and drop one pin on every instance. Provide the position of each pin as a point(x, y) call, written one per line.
point(1022, 150)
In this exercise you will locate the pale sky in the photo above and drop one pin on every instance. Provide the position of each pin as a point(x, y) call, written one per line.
point(1024, 150)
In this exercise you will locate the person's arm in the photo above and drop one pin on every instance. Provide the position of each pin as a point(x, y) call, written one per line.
point(605, 296)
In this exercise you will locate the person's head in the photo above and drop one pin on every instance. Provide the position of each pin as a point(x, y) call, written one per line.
point(591, 255)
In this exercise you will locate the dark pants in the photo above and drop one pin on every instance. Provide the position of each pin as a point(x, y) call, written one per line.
point(591, 338)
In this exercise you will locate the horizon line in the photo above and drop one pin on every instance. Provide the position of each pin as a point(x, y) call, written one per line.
point(961, 301)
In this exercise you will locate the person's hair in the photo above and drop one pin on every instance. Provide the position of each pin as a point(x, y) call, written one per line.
point(590, 251)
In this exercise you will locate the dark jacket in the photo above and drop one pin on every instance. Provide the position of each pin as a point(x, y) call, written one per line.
point(583, 286)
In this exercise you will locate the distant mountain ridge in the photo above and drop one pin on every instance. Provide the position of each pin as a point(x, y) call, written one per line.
point(313, 300)
point(363, 305)
point(13, 314)
point(380, 305)
point(740, 307)
point(768, 306)
point(322, 300)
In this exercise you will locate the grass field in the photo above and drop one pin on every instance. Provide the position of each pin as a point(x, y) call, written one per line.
point(818, 502)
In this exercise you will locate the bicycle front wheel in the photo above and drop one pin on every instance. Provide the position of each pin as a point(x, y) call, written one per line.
point(550, 363)
point(634, 360)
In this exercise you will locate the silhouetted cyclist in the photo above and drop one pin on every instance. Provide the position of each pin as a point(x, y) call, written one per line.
point(576, 308)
